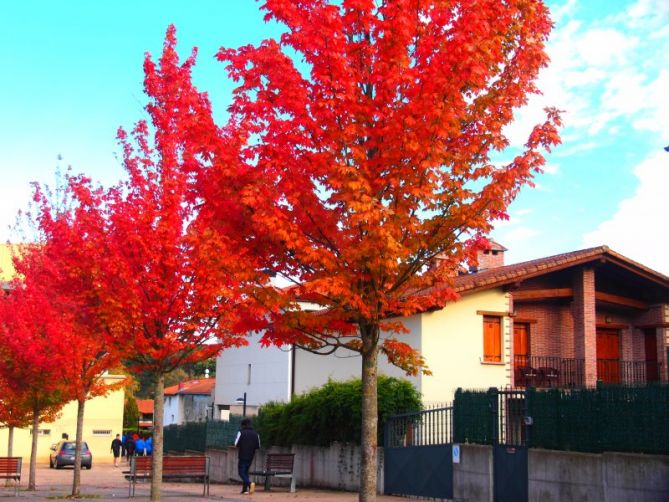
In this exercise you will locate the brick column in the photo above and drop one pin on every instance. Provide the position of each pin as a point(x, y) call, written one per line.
point(585, 325)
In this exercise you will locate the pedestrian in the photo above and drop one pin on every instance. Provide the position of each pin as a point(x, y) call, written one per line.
point(140, 447)
point(247, 442)
point(148, 444)
point(123, 452)
point(116, 449)
point(130, 446)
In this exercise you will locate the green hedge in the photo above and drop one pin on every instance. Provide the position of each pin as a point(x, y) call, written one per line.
point(332, 413)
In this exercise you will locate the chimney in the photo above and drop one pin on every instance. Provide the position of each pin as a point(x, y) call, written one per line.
point(491, 258)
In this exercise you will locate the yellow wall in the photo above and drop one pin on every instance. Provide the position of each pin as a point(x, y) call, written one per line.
point(6, 267)
point(100, 414)
point(452, 344)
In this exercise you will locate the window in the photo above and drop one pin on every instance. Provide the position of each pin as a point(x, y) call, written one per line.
point(492, 339)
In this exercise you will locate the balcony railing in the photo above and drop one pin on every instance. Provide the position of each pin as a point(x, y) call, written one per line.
point(548, 371)
point(628, 372)
point(559, 372)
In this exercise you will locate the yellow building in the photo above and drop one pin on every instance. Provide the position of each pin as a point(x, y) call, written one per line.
point(103, 419)
point(6, 267)
point(103, 416)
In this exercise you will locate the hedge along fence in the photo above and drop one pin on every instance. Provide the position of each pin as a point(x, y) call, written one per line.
point(198, 436)
point(332, 413)
point(608, 418)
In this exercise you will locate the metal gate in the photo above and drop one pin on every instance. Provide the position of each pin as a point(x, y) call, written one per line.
point(418, 454)
point(510, 438)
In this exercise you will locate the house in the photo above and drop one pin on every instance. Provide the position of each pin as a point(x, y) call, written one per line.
point(103, 419)
point(189, 401)
point(568, 320)
point(145, 408)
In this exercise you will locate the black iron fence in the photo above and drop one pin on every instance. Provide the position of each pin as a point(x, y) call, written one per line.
point(423, 428)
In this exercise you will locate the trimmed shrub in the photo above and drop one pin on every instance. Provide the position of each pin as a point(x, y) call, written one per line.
point(332, 413)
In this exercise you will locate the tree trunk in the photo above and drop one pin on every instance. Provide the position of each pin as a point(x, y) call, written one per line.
point(76, 479)
point(158, 413)
point(10, 441)
point(33, 450)
point(10, 446)
point(370, 407)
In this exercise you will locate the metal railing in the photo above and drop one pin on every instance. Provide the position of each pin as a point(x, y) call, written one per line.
point(560, 372)
point(421, 428)
point(628, 372)
point(548, 371)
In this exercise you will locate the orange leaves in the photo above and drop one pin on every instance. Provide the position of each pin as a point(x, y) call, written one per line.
point(376, 157)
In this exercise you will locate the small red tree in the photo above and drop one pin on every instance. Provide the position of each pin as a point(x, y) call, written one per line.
point(33, 352)
point(64, 231)
point(161, 280)
point(15, 411)
point(372, 157)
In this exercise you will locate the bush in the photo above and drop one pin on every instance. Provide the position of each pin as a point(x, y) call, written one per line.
point(332, 413)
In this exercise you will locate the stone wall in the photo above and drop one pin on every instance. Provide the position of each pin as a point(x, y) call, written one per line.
point(554, 476)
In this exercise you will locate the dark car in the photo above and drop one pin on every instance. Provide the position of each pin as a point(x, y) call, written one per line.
point(62, 454)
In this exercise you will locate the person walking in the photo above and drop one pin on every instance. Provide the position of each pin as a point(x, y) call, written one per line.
point(116, 449)
point(140, 447)
point(247, 442)
point(130, 446)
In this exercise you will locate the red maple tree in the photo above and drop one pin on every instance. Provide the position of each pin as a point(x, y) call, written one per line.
point(15, 411)
point(64, 230)
point(366, 139)
point(160, 280)
point(34, 353)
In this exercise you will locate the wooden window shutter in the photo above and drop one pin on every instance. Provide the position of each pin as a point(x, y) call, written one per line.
point(492, 339)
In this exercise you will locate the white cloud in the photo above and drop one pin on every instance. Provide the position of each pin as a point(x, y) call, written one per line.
point(517, 235)
point(551, 168)
point(638, 227)
point(603, 71)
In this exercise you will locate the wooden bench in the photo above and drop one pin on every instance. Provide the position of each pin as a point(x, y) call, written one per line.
point(10, 468)
point(278, 465)
point(174, 467)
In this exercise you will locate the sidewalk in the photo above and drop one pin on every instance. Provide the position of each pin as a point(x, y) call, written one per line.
point(104, 482)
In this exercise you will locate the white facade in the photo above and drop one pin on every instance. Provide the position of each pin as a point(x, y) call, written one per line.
point(264, 374)
point(173, 412)
point(272, 374)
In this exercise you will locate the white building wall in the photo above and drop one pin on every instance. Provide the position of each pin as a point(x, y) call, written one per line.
point(263, 373)
point(171, 415)
point(312, 370)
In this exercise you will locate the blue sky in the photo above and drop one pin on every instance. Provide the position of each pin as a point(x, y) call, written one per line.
point(72, 74)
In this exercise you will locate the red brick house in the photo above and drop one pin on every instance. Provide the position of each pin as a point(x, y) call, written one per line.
point(578, 318)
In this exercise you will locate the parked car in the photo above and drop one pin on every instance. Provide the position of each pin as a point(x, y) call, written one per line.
point(62, 454)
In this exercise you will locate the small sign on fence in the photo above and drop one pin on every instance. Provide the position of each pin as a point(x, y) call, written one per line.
point(456, 453)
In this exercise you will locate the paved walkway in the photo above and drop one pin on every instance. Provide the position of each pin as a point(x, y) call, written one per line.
point(105, 482)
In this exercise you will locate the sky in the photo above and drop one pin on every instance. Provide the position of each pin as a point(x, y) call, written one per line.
point(72, 74)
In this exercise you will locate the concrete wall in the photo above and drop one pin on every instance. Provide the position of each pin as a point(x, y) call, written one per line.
point(472, 477)
point(336, 467)
point(554, 476)
point(609, 477)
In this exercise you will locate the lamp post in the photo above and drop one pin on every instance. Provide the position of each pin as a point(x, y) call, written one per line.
point(243, 401)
